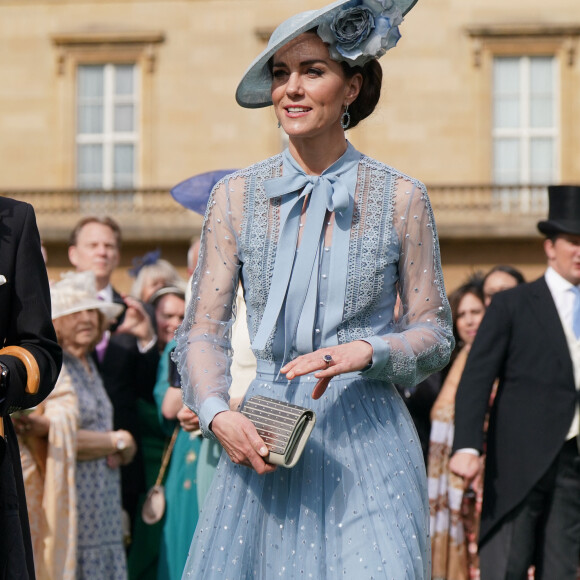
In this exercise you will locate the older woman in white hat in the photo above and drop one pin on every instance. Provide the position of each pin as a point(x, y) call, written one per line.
point(323, 239)
point(71, 453)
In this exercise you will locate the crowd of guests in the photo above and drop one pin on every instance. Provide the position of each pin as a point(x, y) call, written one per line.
point(94, 447)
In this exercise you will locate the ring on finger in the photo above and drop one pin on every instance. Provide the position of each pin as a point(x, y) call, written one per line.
point(327, 358)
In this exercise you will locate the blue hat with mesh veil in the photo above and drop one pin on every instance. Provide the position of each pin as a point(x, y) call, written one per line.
point(193, 193)
point(356, 31)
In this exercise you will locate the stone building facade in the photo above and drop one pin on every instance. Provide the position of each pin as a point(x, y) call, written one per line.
point(106, 104)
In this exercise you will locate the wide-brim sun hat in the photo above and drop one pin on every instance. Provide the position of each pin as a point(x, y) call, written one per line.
point(254, 90)
point(75, 292)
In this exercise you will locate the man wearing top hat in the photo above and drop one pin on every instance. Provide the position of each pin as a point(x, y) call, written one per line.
point(530, 340)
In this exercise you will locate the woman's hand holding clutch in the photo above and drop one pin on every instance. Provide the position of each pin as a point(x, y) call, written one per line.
point(241, 441)
point(329, 362)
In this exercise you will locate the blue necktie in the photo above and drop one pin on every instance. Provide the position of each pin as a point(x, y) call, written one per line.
point(576, 311)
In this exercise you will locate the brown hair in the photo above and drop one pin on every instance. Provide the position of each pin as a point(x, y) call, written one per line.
point(370, 91)
point(474, 285)
point(105, 221)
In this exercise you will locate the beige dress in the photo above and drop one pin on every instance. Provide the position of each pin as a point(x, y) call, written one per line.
point(48, 466)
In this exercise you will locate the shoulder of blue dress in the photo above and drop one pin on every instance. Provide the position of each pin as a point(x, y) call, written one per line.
point(260, 166)
point(254, 169)
point(373, 164)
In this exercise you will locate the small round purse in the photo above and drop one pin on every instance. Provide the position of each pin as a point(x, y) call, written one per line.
point(154, 504)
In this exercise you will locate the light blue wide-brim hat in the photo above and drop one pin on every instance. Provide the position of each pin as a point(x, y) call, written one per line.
point(254, 89)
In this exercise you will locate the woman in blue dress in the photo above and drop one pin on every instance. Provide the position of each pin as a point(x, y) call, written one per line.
point(323, 239)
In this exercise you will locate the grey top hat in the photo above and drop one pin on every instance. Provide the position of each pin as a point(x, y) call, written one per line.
point(564, 211)
point(356, 31)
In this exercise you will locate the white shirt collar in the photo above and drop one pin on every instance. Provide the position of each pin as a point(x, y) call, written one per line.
point(562, 294)
point(106, 294)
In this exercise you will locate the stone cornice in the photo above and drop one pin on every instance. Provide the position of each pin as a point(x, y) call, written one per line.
point(485, 34)
point(99, 41)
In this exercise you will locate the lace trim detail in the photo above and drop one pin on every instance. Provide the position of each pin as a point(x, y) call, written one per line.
point(260, 242)
point(375, 186)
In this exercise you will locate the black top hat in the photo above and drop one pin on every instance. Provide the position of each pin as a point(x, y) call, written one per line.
point(564, 212)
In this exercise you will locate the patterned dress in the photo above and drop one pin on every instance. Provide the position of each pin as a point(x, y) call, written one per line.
point(181, 495)
point(100, 550)
point(355, 505)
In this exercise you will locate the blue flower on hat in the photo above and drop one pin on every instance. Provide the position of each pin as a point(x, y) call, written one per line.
point(361, 31)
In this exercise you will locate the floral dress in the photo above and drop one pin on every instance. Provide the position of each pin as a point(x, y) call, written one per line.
point(100, 550)
point(355, 505)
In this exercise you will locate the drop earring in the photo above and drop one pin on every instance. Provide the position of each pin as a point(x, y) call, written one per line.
point(279, 124)
point(345, 119)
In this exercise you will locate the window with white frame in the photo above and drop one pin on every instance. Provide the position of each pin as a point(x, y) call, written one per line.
point(525, 120)
point(107, 136)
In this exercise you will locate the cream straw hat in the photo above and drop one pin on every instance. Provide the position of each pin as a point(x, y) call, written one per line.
point(77, 291)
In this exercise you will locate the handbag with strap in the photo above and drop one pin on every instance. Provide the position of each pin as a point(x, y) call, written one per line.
point(154, 504)
point(284, 427)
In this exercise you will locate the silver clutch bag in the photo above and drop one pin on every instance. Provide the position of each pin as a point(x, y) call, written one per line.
point(284, 427)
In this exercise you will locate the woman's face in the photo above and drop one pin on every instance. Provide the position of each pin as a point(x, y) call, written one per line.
point(169, 314)
point(469, 314)
point(309, 89)
point(496, 282)
point(77, 332)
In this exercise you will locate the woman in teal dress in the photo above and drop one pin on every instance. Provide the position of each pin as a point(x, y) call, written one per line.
point(324, 239)
point(181, 495)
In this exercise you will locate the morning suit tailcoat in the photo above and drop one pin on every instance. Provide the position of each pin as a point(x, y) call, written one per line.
point(25, 320)
point(522, 342)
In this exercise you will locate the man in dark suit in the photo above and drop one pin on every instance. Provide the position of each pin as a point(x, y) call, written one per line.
point(530, 340)
point(128, 356)
point(25, 321)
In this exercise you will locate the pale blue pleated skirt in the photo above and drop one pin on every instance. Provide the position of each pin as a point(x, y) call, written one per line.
point(355, 506)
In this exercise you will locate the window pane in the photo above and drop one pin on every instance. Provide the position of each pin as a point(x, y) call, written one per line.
point(123, 165)
point(506, 76)
point(506, 161)
point(91, 81)
point(91, 86)
point(124, 115)
point(506, 82)
point(506, 113)
point(541, 74)
point(541, 160)
point(90, 118)
point(124, 79)
point(541, 92)
point(90, 166)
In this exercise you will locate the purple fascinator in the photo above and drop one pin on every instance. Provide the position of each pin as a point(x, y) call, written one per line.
point(193, 193)
point(141, 261)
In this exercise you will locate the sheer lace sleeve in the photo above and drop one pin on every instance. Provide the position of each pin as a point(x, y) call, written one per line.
point(203, 351)
point(423, 339)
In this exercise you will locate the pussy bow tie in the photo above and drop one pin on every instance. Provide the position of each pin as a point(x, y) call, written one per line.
point(332, 191)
